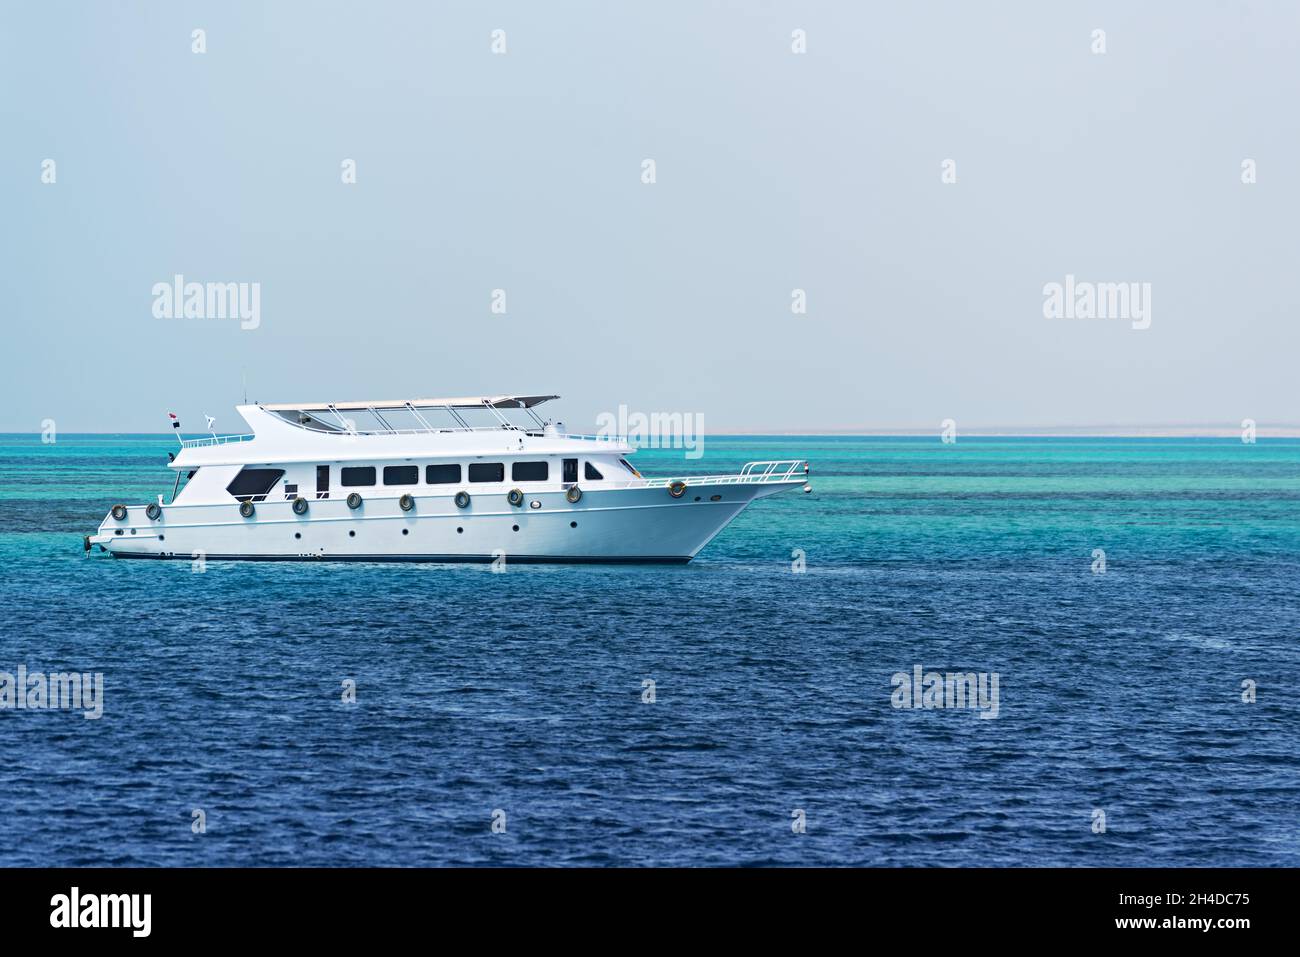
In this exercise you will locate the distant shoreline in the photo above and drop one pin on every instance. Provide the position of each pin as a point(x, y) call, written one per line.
point(1274, 432)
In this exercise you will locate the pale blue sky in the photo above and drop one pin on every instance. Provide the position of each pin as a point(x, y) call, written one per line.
point(775, 171)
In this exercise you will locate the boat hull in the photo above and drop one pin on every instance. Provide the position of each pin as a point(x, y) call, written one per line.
point(625, 525)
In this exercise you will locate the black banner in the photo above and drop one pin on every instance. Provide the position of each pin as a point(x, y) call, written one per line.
point(333, 906)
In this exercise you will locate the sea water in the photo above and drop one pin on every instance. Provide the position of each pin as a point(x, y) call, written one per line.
point(1136, 600)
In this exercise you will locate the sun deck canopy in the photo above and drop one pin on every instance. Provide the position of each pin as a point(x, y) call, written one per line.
point(462, 402)
point(390, 416)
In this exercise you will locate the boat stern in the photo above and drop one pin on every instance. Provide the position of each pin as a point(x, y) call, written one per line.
point(128, 529)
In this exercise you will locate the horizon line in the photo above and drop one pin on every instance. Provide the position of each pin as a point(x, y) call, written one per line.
point(1116, 432)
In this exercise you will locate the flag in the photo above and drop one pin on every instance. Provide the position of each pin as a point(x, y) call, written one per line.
point(176, 423)
point(210, 421)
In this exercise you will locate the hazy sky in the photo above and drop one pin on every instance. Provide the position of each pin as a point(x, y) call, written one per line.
point(775, 171)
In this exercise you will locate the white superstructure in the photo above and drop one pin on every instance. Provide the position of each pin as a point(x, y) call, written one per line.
point(459, 479)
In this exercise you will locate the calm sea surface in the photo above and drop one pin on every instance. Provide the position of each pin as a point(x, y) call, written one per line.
point(1119, 693)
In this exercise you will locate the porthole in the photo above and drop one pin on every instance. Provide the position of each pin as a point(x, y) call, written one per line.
point(715, 498)
point(515, 527)
point(162, 538)
point(573, 525)
point(297, 534)
point(133, 531)
point(118, 532)
point(352, 534)
point(697, 498)
point(460, 531)
point(406, 531)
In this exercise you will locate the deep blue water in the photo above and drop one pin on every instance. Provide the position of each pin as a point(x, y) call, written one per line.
point(522, 691)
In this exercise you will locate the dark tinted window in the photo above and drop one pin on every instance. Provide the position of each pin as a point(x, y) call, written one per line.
point(254, 483)
point(529, 471)
point(358, 475)
point(592, 473)
point(401, 474)
point(442, 474)
point(570, 470)
point(487, 472)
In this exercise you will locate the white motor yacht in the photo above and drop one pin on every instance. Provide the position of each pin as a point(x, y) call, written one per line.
point(438, 480)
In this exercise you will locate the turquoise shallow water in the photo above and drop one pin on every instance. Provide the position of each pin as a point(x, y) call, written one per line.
point(523, 692)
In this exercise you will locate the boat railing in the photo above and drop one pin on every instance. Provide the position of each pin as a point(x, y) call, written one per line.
point(605, 439)
point(211, 440)
point(431, 430)
point(215, 440)
point(754, 473)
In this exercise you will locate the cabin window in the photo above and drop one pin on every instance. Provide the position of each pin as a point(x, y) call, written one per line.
point(487, 472)
point(401, 474)
point(529, 471)
point(592, 473)
point(254, 484)
point(570, 471)
point(358, 475)
point(290, 492)
point(442, 474)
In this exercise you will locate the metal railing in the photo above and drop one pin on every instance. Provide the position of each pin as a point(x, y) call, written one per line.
point(754, 473)
point(432, 430)
point(215, 440)
point(597, 439)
